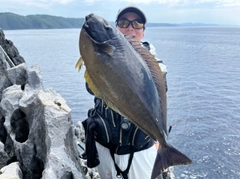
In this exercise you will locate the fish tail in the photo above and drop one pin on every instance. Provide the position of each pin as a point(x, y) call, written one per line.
point(168, 156)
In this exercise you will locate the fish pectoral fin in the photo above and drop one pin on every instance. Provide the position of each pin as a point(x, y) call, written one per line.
point(106, 48)
point(79, 64)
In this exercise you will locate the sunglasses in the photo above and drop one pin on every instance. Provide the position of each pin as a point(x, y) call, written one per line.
point(124, 23)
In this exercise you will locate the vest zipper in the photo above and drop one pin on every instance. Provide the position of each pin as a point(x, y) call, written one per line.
point(134, 135)
point(113, 121)
point(120, 139)
point(105, 127)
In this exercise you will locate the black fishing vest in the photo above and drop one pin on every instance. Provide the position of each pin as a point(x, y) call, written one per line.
point(116, 132)
point(113, 131)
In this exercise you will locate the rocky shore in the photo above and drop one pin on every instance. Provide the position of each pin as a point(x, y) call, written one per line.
point(37, 137)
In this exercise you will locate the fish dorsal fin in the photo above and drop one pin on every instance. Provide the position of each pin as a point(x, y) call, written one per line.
point(156, 74)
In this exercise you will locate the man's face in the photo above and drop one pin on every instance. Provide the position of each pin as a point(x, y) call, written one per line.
point(138, 33)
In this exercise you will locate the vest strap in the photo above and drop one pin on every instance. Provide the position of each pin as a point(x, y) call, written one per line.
point(120, 173)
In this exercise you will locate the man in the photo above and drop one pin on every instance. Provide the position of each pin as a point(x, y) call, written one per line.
point(123, 149)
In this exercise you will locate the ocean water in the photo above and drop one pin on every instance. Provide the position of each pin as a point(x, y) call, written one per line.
point(203, 88)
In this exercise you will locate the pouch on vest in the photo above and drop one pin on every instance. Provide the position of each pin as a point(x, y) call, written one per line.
point(102, 132)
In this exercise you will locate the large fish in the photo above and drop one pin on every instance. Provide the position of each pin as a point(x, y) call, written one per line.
point(129, 80)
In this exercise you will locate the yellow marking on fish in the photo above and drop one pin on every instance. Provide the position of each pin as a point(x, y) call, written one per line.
point(97, 92)
point(79, 64)
point(91, 84)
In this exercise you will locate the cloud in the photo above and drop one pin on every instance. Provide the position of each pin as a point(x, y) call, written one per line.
point(170, 2)
point(219, 3)
point(216, 3)
point(213, 3)
point(230, 3)
point(40, 3)
point(170, 11)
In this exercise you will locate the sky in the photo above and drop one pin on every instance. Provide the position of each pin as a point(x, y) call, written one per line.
point(223, 12)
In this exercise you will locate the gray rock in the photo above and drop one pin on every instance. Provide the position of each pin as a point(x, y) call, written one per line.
point(17, 75)
point(4, 81)
point(35, 123)
point(11, 171)
point(40, 133)
point(3, 156)
point(3, 132)
point(3, 63)
point(10, 49)
point(34, 79)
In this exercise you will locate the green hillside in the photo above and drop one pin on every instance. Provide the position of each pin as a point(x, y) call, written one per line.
point(10, 21)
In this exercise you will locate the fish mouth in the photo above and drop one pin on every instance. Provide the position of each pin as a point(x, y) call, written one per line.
point(86, 27)
point(98, 29)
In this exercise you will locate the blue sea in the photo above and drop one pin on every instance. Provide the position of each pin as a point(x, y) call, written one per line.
point(203, 88)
